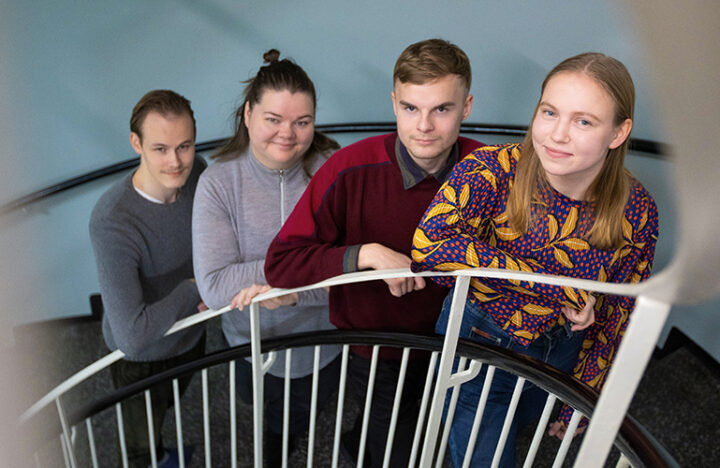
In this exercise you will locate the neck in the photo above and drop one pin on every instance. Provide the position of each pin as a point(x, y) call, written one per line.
point(432, 165)
point(142, 182)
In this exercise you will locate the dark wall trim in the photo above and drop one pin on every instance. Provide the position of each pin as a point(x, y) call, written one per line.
point(652, 148)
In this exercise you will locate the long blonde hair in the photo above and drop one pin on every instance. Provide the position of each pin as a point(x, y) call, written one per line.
point(609, 192)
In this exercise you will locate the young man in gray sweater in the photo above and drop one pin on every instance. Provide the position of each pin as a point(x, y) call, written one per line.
point(141, 235)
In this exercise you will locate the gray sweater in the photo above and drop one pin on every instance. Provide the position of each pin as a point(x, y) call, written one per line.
point(143, 252)
point(240, 206)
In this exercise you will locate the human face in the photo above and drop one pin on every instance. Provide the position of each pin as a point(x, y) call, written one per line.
point(429, 116)
point(573, 130)
point(167, 152)
point(281, 127)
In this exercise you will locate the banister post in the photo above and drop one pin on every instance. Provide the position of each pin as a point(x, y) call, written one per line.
point(447, 357)
point(646, 323)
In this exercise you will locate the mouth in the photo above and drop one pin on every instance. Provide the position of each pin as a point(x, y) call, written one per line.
point(425, 141)
point(285, 146)
point(176, 173)
point(556, 153)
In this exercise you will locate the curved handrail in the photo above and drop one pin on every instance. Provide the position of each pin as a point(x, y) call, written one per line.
point(633, 440)
point(623, 289)
point(645, 146)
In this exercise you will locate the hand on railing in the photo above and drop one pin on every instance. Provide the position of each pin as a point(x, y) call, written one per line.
point(379, 257)
point(246, 296)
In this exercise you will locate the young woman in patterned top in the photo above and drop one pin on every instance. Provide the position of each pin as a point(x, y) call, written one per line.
point(560, 203)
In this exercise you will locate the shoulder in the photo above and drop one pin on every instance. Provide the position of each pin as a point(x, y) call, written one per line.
point(362, 154)
point(467, 145)
point(499, 160)
point(641, 210)
point(220, 173)
point(113, 202)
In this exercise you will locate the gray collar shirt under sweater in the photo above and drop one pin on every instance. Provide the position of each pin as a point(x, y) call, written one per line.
point(240, 205)
point(143, 252)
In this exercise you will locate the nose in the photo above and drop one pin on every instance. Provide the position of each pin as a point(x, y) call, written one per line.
point(425, 124)
point(286, 130)
point(560, 132)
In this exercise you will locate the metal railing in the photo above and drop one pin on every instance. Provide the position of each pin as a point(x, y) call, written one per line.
point(607, 416)
point(645, 146)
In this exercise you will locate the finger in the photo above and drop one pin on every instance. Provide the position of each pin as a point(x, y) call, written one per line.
point(419, 283)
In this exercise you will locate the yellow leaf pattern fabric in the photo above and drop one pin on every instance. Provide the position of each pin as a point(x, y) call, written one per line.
point(466, 225)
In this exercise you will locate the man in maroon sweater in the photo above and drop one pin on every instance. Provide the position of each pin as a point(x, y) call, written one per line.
point(360, 212)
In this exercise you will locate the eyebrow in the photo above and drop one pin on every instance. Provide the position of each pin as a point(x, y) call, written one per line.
point(278, 115)
point(589, 114)
point(444, 104)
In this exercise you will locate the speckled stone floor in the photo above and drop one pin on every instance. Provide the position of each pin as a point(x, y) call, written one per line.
point(678, 402)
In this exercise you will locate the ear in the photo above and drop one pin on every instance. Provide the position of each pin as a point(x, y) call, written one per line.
point(246, 113)
point(136, 143)
point(467, 107)
point(392, 96)
point(621, 134)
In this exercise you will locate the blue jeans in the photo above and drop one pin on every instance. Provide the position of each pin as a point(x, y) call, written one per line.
point(558, 347)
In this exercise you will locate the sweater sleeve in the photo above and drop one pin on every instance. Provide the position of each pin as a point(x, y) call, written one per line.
point(307, 249)
point(447, 238)
point(220, 269)
point(603, 338)
point(135, 324)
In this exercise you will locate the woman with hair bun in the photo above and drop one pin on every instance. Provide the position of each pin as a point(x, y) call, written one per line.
point(240, 204)
point(561, 203)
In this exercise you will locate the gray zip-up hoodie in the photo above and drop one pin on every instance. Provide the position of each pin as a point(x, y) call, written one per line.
point(239, 207)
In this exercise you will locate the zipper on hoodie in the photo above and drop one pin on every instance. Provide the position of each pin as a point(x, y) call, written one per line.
point(282, 197)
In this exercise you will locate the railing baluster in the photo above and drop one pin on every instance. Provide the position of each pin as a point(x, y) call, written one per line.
point(487, 384)
point(396, 407)
point(340, 405)
point(368, 405)
point(66, 433)
point(91, 443)
point(313, 407)
point(258, 383)
point(151, 429)
point(233, 414)
point(423, 408)
point(540, 430)
point(445, 368)
point(206, 417)
point(178, 423)
point(509, 416)
point(286, 408)
point(121, 435)
point(567, 440)
point(449, 416)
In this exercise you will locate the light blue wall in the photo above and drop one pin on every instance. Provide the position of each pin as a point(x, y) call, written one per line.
point(71, 72)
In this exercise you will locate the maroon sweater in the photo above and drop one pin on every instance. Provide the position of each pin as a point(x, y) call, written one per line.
point(370, 191)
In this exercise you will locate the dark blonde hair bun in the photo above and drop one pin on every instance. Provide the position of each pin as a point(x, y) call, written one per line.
point(271, 56)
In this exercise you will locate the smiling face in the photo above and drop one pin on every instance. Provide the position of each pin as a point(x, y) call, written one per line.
point(281, 127)
point(573, 130)
point(167, 152)
point(429, 117)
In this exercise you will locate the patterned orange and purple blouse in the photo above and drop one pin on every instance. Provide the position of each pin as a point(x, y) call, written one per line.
point(466, 226)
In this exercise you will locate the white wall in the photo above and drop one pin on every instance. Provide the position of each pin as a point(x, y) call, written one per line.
point(71, 72)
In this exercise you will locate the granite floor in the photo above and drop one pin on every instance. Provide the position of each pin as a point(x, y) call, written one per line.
point(678, 402)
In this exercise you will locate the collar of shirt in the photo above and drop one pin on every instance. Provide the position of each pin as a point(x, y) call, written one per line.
point(413, 174)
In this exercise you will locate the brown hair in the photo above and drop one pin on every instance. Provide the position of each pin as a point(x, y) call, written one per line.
point(162, 101)
point(609, 192)
point(278, 75)
point(432, 59)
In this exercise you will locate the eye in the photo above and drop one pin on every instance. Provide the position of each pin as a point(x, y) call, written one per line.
point(159, 149)
point(272, 120)
point(548, 113)
point(584, 123)
point(441, 109)
point(303, 123)
point(185, 147)
point(410, 108)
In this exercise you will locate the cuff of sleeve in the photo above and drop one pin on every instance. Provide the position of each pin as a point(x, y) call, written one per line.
point(350, 259)
point(566, 413)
